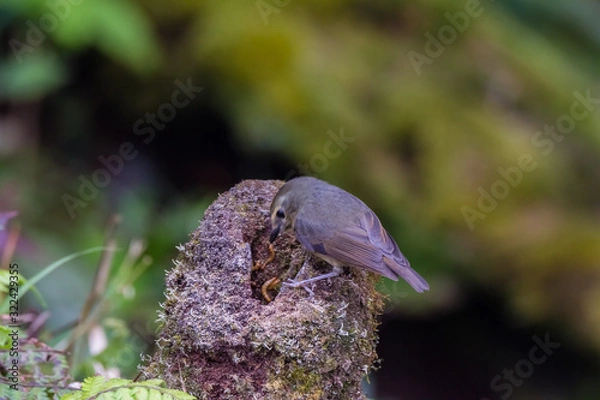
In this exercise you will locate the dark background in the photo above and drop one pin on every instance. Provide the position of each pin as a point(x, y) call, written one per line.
point(440, 101)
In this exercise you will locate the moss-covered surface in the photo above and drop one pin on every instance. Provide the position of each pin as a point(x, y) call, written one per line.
point(221, 340)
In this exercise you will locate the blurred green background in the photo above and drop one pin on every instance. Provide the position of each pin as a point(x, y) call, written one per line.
point(471, 128)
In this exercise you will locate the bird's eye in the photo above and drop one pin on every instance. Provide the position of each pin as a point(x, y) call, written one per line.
point(280, 214)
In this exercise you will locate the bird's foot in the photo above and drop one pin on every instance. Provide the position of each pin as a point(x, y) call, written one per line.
point(303, 283)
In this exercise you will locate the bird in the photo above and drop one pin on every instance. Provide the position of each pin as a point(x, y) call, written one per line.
point(339, 228)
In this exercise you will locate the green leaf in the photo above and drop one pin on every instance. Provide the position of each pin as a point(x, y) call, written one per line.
point(5, 341)
point(99, 388)
point(43, 273)
point(5, 285)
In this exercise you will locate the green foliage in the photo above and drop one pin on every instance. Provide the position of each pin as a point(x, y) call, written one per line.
point(119, 29)
point(100, 388)
point(43, 372)
point(424, 145)
point(6, 294)
point(24, 81)
point(4, 338)
point(29, 284)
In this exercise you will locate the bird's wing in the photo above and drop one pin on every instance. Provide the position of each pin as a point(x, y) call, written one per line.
point(366, 244)
point(362, 245)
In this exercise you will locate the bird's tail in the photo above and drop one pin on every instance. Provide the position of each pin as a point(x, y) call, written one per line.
point(401, 268)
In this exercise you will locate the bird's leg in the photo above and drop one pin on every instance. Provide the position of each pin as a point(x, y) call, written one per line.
point(295, 284)
point(300, 272)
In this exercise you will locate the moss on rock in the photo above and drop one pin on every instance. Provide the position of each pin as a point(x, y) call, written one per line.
point(220, 339)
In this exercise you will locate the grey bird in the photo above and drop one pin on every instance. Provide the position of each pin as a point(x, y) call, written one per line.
point(339, 228)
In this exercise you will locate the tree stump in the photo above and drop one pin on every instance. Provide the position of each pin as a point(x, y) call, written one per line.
point(220, 338)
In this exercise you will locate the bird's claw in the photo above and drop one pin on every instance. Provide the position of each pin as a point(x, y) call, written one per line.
point(296, 284)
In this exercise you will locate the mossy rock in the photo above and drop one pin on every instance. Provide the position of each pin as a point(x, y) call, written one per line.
point(220, 338)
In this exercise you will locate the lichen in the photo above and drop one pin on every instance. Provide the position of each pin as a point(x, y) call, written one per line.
point(221, 340)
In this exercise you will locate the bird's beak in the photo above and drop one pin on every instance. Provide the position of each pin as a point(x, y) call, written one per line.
point(274, 233)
